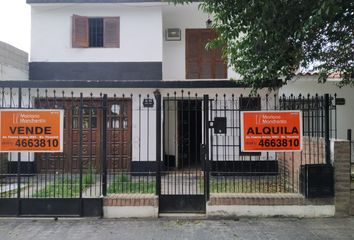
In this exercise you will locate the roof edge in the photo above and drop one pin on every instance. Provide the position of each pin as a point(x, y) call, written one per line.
point(91, 1)
point(128, 84)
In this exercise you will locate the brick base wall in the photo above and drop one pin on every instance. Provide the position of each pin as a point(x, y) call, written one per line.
point(313, 153)
point(123, 200)
point(341, 157)
point(266, 199)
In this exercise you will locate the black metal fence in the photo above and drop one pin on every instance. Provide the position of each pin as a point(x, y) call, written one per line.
point(97, 157)
point(351, 142)
point(154, 143)
point(235, 171)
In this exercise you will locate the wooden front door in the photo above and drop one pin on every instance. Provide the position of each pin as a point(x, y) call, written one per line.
point(200, 62)
point(118, 136)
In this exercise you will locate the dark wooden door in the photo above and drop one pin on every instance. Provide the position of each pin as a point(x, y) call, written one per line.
point(200, 62)
point(119, 134)
point(119, 152)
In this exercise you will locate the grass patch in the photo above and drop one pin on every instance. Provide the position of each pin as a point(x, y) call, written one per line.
point(9, 194)
point(239, 184)
point(64, 187)
point(123, 183)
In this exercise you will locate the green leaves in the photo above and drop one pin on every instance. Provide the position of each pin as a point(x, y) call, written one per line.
point(271, 39)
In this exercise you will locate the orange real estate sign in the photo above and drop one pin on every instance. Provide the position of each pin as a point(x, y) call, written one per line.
point(26, 130)
point(271, 131)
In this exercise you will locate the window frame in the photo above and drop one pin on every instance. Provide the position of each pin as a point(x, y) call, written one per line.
point(82, 32)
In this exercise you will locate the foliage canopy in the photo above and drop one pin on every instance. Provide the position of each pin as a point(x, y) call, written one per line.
point(271, 39)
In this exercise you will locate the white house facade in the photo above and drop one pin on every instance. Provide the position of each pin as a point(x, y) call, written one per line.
point(147, 109)
point(155, 44)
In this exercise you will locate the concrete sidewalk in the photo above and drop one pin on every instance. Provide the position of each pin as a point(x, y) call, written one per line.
point(244, 228)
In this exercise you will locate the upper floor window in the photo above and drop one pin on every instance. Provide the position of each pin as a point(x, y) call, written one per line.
point(95, 32)
point(202, 63)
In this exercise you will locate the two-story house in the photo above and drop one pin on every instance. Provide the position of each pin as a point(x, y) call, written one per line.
point(147, 109)
point(132, 47)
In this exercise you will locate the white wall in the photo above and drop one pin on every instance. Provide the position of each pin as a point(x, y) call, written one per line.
point(13, 63)
point(11, 73)
point(308, 85)
point(140, 33)
point(183, 17)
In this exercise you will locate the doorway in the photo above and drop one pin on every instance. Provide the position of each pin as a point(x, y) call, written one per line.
point(189, 133)
point(182, 176)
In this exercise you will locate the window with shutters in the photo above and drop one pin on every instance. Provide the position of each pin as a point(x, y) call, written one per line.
point(202, 63)
point(95, 32)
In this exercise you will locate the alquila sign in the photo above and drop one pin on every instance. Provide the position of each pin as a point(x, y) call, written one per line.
point(271, 131)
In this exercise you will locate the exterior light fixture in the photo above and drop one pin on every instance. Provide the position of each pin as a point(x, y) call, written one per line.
point(209, 23)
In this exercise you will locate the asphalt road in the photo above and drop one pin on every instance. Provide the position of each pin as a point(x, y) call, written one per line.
point(244, 228)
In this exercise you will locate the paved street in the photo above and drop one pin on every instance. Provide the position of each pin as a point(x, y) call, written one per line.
point(244, 228)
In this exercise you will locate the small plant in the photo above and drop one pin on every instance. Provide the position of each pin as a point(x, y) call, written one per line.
point(123, 183)
point(87, 180)
point(64, 187)
point(267, 184)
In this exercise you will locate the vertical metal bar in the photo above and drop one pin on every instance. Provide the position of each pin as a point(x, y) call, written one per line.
point(28, 154)
point(335, 116)
point(140, 140)
point(167, 102)
point(104, 145)
point(349, 137)
point(91, 107)
point(158, 142)
point(55, 180)
point(189, 143)
point(206, 144)
point(121, 139)
point(176, 142)
point(70, 163)
point(216, 136)
point(19, 163)
point(147, 138)
point(233, 134)
point(182, 141)
point(349, 134)
point(225, 143)
point(113, 120)
point(80, 151)
point(65, 130)
point(196, 112)
point(327, 142)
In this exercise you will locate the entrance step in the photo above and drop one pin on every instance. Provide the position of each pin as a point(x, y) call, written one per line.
point(177, 216)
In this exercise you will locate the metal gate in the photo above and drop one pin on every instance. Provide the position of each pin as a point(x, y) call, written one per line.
point(351, 143)
point(97, 142)
point(180, 146)
point(182, 172)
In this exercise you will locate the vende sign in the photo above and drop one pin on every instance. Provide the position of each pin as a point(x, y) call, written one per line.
point(25, 130)
point(271, 131)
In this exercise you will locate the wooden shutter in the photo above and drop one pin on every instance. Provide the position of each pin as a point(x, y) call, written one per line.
point(111, 32)
point(80, 32)
point(192, 54)
point(203, 63)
